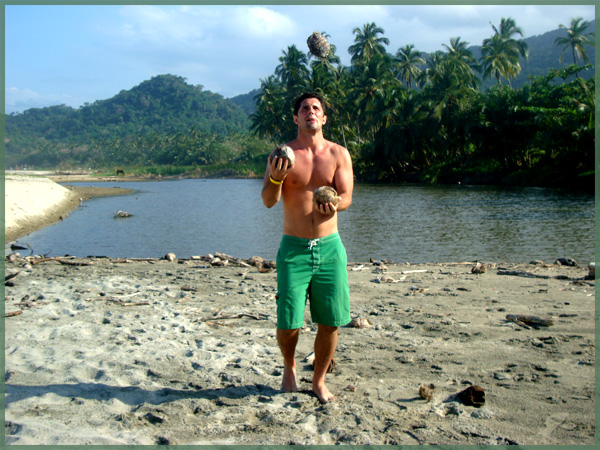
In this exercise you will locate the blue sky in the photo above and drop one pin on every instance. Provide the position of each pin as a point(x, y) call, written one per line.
point(73, 54)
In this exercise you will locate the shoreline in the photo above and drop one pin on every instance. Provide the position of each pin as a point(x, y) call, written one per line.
point(35, 202)
point(152, 351)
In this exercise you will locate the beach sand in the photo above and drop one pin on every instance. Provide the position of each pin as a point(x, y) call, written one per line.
point(159, 352)
point(101, 351)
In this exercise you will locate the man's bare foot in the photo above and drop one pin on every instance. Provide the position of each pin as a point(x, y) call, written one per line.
point(288, 384)
point(323, 394)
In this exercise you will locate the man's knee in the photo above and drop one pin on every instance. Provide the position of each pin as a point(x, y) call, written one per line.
point(327, 328)
point(286, 335)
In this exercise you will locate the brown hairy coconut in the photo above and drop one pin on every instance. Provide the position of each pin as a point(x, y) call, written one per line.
point(283, 151)
point(427, 392)
point(325, 194)
point(318, 45)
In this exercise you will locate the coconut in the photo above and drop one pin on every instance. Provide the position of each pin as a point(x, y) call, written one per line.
point(318, 45)
point(283, 151)
point(325, 194)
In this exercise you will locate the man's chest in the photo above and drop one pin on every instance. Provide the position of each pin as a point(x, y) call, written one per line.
point(311, 173)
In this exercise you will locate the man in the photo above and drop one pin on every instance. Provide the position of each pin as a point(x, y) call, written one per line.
point(311, 262)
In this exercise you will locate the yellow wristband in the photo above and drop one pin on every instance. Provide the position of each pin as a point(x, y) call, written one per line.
point(274, 181)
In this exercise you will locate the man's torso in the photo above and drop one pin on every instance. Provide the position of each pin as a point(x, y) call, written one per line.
point(311, 170)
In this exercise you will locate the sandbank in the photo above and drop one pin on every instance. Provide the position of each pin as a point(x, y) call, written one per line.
point(33, 202)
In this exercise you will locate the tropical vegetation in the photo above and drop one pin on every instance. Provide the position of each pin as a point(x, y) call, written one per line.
point(426, 118)
point(458, 115)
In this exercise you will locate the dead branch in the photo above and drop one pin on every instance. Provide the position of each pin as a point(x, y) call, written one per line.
point(62, 261)
point(219, 324)
point(11, 276)
point(189, 289)
point(218, 315)
point(524, 320)
point(75, 263)
point(517, 273)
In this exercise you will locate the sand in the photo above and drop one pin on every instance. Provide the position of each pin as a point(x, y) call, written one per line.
point(33, 202)
point(158, 352)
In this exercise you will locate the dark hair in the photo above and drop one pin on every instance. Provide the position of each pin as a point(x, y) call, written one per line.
point(304, 97)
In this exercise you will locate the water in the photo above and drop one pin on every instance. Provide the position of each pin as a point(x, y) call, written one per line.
point(406, 224)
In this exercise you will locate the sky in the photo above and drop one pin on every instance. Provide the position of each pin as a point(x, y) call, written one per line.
point(76, 54)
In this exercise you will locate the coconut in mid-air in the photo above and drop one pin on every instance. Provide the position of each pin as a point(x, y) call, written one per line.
point(318, 45)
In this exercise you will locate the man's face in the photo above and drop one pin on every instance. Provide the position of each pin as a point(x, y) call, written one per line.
point(310, 115)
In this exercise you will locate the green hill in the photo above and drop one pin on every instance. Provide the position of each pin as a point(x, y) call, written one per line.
point(163, 105)
point(246, 101)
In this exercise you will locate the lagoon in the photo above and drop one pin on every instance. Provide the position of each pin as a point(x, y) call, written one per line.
point(415, 224)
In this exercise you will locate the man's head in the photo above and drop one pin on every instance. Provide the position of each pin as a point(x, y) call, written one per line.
point(304, 97)
point(309, 113)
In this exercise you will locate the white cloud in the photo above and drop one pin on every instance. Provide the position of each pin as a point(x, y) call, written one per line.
point(21, 99)
point(260, 22)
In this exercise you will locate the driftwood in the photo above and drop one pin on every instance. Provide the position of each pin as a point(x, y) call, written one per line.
point(524, 320)
point(208, 322)
point(62, 261)
point(189, 289)
point(11, 276)
point(76, 263)
point(13, 313)
point(517, 273)
point(30, 304)
point(219, 316)
point(123, 303)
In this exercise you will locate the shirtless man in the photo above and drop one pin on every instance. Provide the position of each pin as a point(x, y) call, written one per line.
point(311, 262)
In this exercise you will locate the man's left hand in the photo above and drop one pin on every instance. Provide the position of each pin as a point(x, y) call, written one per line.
point(328, 209)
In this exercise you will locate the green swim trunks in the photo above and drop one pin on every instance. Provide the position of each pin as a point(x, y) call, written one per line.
point(315, 270)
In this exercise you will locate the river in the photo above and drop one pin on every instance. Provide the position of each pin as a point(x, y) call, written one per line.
point(413, 224)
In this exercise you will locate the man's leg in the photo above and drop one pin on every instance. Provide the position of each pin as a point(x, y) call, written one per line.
point(325, 345)
point(287, 340)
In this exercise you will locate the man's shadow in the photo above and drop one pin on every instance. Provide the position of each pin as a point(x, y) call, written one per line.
point(134, 395)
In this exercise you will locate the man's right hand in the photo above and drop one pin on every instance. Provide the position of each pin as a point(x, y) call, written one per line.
point(279, 168)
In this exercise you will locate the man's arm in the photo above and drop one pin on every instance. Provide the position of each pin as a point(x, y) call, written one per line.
point(344, 180)
point(344, 184)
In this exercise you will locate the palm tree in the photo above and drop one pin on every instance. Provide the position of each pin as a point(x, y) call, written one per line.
point(461, 60)
point(501, 52)
point(576, 40)
point(408, 61)
point(508, 28)
point(269, 117)
point(367, 43)
point(370, 82)
point(293, 70)
point(496, 60)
